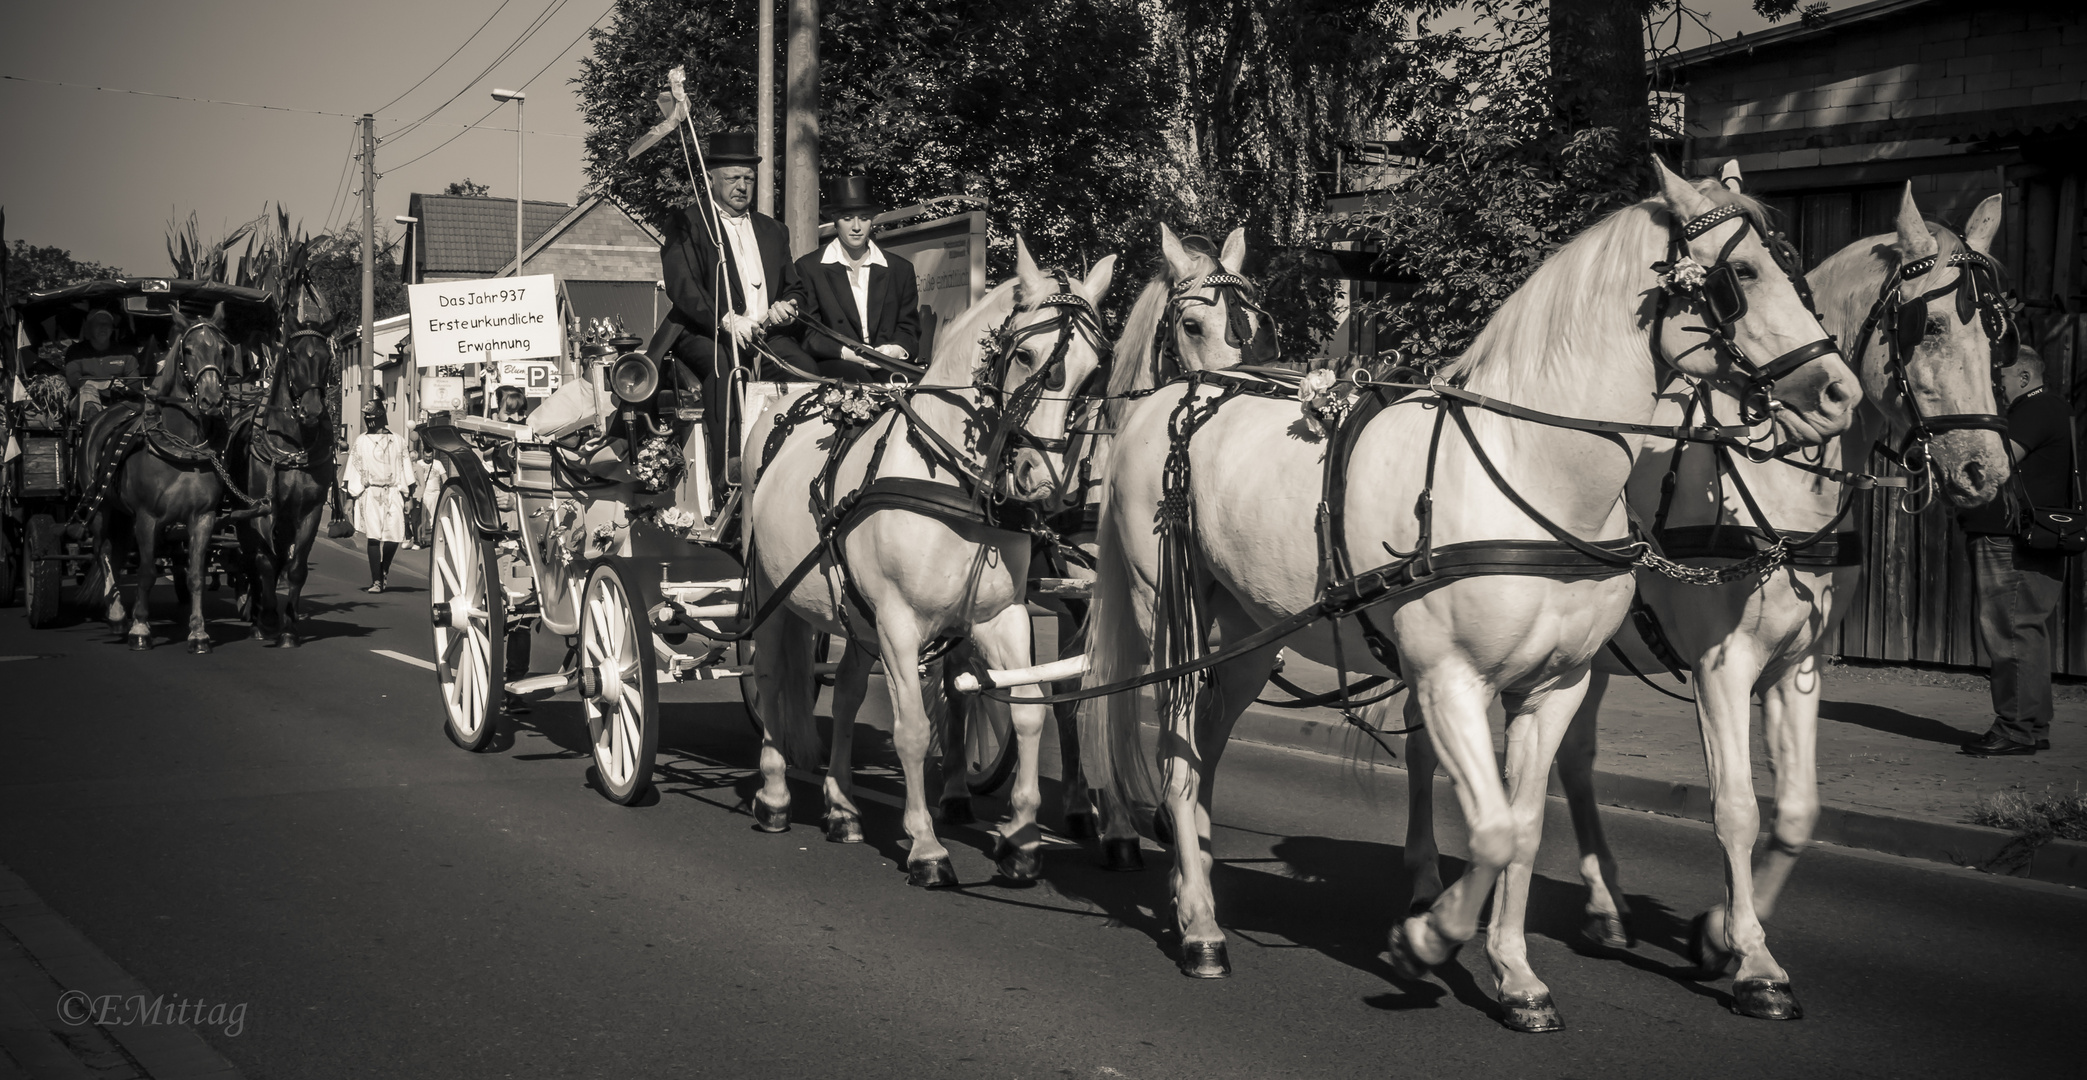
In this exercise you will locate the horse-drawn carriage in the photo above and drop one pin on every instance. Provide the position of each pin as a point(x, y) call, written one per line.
point(47, 493)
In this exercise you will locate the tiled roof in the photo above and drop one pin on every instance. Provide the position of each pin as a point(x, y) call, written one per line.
point(472, 235)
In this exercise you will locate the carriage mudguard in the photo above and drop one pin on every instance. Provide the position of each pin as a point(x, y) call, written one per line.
point(656, 556)
point(468, 473)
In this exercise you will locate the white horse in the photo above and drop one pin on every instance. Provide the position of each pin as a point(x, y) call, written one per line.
point(1762, 635)
point(1582, 337)
point(908, 578)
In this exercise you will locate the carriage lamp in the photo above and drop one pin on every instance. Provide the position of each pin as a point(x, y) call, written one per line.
point(634, 377)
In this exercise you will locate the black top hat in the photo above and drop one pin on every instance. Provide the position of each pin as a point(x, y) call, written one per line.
point(730, 148)
point(850, 195)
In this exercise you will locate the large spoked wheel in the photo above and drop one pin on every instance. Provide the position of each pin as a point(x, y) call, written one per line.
point(469, 610)
point(42, 579)
point(619, 687)
point(989, 737)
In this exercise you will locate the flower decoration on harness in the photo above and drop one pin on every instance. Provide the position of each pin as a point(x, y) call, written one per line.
point(659, 465)
point(1327, 399)
point(1681, 277)
point(847, 406)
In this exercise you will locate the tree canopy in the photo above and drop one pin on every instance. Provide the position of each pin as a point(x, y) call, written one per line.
point(33, 268)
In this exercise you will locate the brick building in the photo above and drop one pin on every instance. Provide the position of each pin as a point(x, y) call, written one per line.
point(1829, 120)
point(607, 260)
point(470, 236)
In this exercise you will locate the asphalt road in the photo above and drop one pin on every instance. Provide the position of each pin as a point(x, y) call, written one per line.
point(291, 830)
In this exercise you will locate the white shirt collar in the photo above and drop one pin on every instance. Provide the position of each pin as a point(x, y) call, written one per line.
point(835, 253)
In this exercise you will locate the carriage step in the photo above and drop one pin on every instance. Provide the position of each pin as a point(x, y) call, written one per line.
point(1070, 588)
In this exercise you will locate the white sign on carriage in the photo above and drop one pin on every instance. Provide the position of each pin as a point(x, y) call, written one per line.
point(486, 321)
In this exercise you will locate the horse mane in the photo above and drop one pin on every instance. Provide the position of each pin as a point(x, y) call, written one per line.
point(1134, 369)
point(1565, 317)
point(959, 344)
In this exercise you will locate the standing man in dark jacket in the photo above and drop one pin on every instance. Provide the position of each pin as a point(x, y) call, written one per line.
point(2018, 586)
point(859, 289)
point(752, 273)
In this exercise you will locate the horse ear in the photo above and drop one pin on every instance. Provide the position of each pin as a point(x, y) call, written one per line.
point(1026, 269)
point(1681, 197)
point(217, 315)
point(1729, 175)
point(1179, 261)
point(1098, 279)
point(1915, 239)
point(1984, 223)
point(181, 319)
point(1234, 254)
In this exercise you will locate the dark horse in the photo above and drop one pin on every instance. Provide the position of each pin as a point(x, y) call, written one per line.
point(169, 479)
point(283, 454)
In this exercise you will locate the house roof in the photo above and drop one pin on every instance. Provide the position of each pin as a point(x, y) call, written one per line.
point(1796, 30)
point(475, 235)
point(558, 228)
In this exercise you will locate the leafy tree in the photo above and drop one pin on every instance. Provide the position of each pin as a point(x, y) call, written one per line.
point(334, 264)
point(32, 268)
point(467, 187)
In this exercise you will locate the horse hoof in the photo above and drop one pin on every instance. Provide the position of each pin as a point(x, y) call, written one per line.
point(1205, 960)
point(1608, 931)
point(933, 874)
point(1082, 827)
point(843, 830)
point(139, 642)
point(199, 647)
point(1014, 863)
point(1711, 959)
point(1765, 999)
point(1407, 963)
point(257, 634)
point(956, 810)
point(770, 819)
point(1531, 1014)
point(1122, 855)
point(1163, 828)
point(286, 640)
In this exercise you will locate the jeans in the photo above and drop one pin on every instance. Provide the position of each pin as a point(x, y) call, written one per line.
point(2018, 592)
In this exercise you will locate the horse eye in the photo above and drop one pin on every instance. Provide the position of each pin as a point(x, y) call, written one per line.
point(1193, 326)
point(1745, 271)
point(1026, 355)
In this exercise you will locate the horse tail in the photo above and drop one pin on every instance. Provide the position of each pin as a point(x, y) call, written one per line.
point(94, 584)
point(789, 719)
point(1111, 747)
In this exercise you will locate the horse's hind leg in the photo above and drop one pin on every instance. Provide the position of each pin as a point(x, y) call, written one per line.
point(145, 532)
point(259, 535)
point(1608, 913)
point(112, 550)
point(199, 545)
point(1081, 822)
point(851, 684)
point(785, 684)
point(1535, 726)
point(1005, 643)
point(949, 719)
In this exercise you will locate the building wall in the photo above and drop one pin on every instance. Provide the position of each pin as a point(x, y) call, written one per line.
point(604, 245)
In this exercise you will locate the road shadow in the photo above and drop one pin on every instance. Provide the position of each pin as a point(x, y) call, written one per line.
point(1892, 722)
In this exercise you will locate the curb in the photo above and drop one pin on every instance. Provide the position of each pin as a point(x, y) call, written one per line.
point(2060, 862)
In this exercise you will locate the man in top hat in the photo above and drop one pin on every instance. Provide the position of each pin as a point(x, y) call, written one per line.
point(859, 289)
point(760, 287)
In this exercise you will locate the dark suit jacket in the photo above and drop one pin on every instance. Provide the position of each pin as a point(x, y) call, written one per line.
point(894, 304)
point(689, 261)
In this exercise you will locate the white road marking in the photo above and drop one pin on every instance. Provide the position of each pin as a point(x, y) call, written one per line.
point(38, 656)
point(424, 665)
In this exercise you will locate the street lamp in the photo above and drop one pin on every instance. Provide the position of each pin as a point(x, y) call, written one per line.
point(412, 252)
point(516, 96)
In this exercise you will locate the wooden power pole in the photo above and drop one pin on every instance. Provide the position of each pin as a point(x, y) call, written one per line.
point(801, 129)
point(764, 131)
point(369, 266)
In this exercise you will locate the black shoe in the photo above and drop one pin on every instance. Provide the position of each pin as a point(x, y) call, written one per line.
point(2043, 744)
point(1994, 744)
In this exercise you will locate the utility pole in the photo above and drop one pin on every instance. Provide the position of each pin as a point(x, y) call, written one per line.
point(369, 266)
point(764, 130)
point(801, 129)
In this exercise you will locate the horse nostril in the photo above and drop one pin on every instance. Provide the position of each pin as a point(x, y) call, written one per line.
point(1974, 475)
point(1840, 392)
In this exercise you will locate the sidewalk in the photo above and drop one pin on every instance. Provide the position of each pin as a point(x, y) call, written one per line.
point(1890, 776)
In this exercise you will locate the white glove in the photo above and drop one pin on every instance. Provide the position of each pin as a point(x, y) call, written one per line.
point(894, 351)
point(740, 327)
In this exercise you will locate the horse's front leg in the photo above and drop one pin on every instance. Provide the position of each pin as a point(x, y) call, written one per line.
point(851, 684)
point(262, 570)
point(1423, 859)
point(1608, 913)
point(299, 569)
point(1005, 643)
point(949, 716)
point(199, 544)
point(112, 551)
point(1535, 726)
point(1078, 803)
point(145, 534)
point(1790, 726)
point(898, 640)
point(1451, 698)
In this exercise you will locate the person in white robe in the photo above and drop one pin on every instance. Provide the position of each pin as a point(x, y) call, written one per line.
point(379, 479)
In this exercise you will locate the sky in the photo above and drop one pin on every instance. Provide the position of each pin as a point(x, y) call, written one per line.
point(102, 174)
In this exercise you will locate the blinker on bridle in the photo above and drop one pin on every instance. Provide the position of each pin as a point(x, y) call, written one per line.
point(1724, 304)
point(1257, 344)
point(1076, 318)
point(1906, 326)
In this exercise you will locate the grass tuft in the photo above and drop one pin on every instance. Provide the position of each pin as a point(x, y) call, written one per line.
point(2036, 819)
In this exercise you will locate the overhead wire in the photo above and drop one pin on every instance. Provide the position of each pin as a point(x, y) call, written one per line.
point(525, 85)
point(445, 60)
point(255, 105)
point(543, 17)
point(340, 184)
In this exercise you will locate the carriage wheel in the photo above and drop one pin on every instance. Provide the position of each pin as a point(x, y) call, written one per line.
point(469, 610)
point(42, 579)
point(989, 743)
point(619, 687)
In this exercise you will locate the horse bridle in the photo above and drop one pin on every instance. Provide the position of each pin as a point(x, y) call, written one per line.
point(1905, 324)
point(1724, 304)
point(179, 350)
point(1256, 344)
point(297, 409)
point(1076, 318)
point(298, 456)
